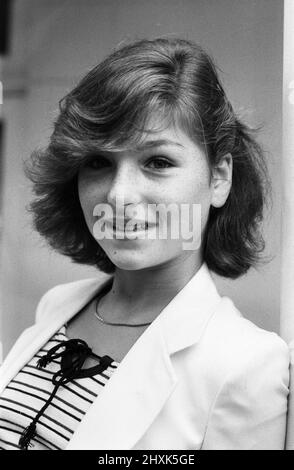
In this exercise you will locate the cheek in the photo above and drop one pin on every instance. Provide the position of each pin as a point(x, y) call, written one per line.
point(194, 187)
point(197, 193)
point(88, 197)
point(83, 194)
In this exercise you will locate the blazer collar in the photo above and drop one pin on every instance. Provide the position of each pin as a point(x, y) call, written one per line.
point(184, 319)
point(146, 377)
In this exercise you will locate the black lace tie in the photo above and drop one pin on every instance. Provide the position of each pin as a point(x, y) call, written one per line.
point(73, 354)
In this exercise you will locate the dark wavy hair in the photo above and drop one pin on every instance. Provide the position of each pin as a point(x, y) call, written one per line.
point(109, 108)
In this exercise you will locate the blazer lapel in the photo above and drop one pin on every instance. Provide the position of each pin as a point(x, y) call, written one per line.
point(146, 378)
point(131, 399)
point(33, 338)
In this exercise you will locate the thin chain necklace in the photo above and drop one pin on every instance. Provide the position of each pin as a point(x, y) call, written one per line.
point(102, 320)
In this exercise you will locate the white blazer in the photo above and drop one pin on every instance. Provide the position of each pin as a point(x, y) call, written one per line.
point(199, 377)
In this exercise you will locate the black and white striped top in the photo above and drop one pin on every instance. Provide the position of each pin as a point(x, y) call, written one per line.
point(29, 390)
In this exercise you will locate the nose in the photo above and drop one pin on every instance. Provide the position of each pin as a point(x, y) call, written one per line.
point(125, 186)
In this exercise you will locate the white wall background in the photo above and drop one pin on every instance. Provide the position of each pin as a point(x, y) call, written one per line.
point(54, 42)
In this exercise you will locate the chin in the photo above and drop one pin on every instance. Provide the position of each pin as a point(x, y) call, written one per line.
point(129, 263)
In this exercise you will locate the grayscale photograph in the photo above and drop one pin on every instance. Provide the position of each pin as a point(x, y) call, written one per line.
point(146, 227)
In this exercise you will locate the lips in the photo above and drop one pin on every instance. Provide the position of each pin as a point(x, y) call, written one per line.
point(129, 226)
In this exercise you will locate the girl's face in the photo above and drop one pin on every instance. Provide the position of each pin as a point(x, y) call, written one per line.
point(167, 168)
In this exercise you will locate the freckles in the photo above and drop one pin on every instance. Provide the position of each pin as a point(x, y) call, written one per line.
point(87, 201)
point(200, 179)
point(88, 192)
point(193, 185)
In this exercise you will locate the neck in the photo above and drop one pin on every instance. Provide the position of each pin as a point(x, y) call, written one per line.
point(141, 294)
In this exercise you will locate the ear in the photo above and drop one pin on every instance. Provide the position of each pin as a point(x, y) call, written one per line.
point(221, 181)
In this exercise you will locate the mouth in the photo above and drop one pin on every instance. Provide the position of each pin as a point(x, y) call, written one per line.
point(129, 227)
point(139, 227)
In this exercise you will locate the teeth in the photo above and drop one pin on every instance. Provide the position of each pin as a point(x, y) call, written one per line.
point(133, 228)
point(139, 227)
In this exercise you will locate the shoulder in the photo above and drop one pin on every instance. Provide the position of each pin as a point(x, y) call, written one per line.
point(61, 294)
point(248, 379)
point(242, 345)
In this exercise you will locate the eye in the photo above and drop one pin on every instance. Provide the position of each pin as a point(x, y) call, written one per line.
point(159, 163)
point(97, 163)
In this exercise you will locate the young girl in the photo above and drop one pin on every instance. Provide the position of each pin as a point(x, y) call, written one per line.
point(152, 357)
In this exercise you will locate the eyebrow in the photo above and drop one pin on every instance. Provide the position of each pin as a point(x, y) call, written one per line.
point(158, 143)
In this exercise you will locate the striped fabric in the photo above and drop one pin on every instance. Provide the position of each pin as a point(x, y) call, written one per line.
point(29, 390)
